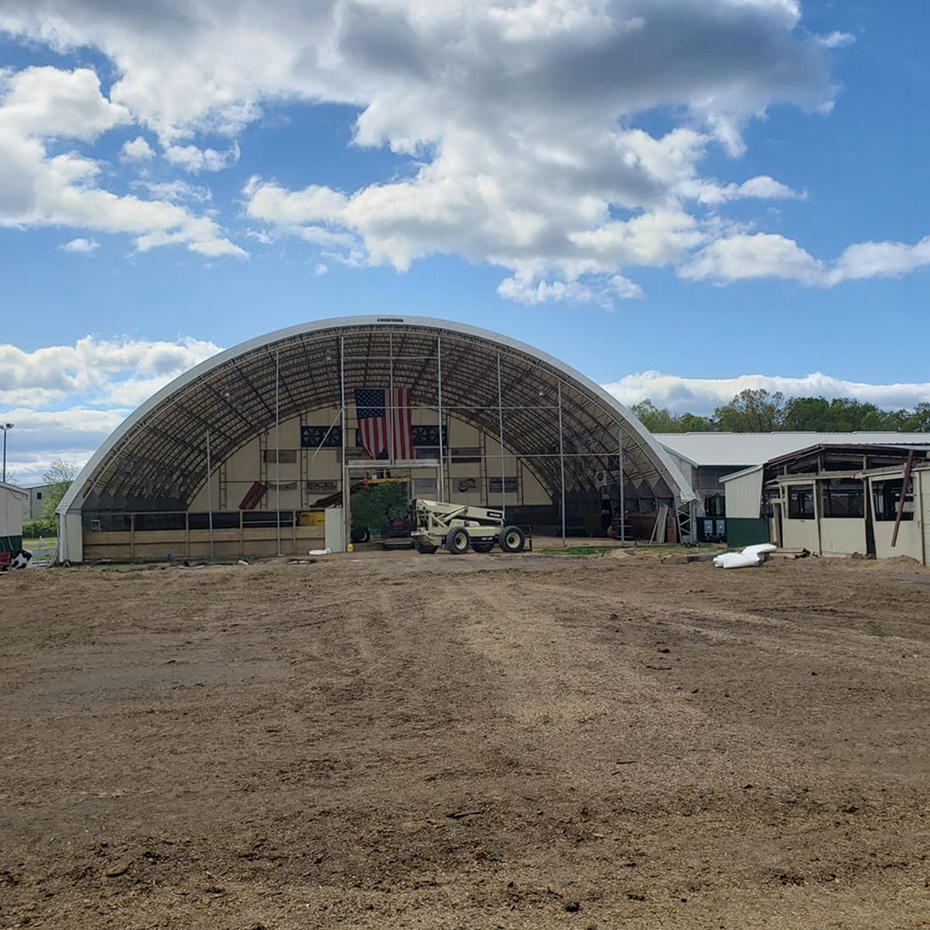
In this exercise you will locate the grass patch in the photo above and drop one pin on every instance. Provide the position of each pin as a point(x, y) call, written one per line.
point(33, 543)
point(577, 550)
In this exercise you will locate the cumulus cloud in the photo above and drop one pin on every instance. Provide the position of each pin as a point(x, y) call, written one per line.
point(39, 436)
point(65, 400)
point(702, 395)
point(195, 160)
point(519, 119)
point(518, 128)
point(762, 255)
point(880, 260)
point(80, 246)
point(743, 256)
point(42, 188)
point(137, 149)
point(89, 368)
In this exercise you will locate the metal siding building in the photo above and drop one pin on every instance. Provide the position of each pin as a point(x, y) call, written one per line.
point(705, 458)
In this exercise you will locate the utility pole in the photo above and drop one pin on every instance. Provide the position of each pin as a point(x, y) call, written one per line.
point(5, 427)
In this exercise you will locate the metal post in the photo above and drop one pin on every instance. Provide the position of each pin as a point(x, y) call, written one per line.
point(277, 440)
point(389, 402)
point(622, 495)
point(210, 496)
point(562, 463)
point(345, 467)
point(5, 427)
point(442, 471)
point(500, 424)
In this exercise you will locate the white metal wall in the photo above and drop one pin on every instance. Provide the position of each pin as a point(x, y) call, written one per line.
point(744, 495)
point(11, 511)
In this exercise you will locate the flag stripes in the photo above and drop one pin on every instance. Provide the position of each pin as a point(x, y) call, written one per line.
point(384, 422)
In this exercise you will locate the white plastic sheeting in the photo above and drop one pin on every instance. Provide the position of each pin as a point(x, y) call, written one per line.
point(748, 558)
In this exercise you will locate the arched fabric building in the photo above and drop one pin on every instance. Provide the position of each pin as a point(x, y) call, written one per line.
point(287, 424)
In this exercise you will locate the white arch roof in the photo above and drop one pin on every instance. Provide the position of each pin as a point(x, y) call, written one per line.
point(157, 454)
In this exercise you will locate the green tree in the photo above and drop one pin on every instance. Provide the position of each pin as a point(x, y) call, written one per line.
point(655, 419)
point(917, 420)
point(59, 475)
point(808, 413)
point(751, 411)
point(376, 505)
point(661, 420)
point(849, 415)
point(692, 423)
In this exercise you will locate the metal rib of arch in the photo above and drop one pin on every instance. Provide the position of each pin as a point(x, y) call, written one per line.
point(156, 458)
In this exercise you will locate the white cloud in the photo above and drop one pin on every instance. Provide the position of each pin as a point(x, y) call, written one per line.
point(520, 123)
point(137, 149)
point(702, 395)
point(520, 118)
point(761, 187)
point(88, 368)
point(39, 188)
point(176, 191)
point(65, 400)
point(880, 260)
point(80, 246)
point(762, 255)
point(195, 160)
point(47, 102)
point(743, 256)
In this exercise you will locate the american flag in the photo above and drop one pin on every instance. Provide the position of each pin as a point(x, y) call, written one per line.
point(384, 428)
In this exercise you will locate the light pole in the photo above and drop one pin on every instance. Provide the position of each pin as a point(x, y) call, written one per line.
point(5, 427)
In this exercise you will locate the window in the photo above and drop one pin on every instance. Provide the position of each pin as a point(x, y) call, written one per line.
point(771, 497)
point(842, 497)
point(886, 496)
point(715, 505)
point(801, 502)
point(38, 495)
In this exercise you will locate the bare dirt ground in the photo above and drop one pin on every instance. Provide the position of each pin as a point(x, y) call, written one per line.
point(409, 741)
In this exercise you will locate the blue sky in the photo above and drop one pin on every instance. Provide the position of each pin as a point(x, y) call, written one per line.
point(680, 198)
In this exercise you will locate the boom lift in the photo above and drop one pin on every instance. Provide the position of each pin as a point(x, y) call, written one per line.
point(460, 527)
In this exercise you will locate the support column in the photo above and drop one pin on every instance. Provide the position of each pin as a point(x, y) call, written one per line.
point(500, 424)
point(442, 463)
point(562, 463)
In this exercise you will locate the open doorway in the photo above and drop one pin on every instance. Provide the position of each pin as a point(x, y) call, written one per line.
point(379, 498)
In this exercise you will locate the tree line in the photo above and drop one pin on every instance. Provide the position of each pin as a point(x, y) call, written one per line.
point(758, 411)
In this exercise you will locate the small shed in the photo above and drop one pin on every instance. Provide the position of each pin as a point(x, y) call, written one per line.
point(11, 517)
point(746, 524)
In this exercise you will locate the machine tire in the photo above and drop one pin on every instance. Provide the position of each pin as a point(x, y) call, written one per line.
point(482, 545)
point(458, 541)
point(511, 539)
point(360, 534)
point(423, 547)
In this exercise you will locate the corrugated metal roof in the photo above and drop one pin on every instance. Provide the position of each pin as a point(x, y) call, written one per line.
point(746, 449)
point(741, 474)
